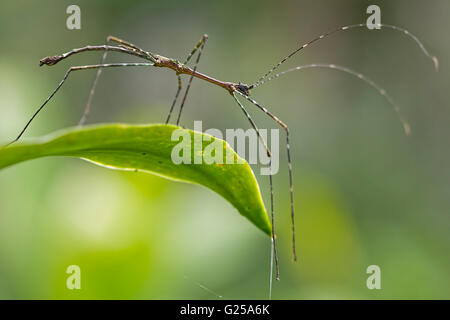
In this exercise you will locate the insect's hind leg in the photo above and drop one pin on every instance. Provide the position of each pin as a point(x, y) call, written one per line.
point(125, 43)
point(76, 68)
point(109, 39)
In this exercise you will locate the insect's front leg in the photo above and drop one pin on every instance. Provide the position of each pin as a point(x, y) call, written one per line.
point(288, 150)
point(269, 154)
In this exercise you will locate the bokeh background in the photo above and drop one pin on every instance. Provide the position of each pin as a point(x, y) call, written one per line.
point(365, 193)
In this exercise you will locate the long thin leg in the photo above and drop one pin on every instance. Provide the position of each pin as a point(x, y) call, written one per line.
point(269, 154)
point(136, 48)
point(348, 27)
point(175, 98)
point(124, 43)
point(197, 46)
point(87, 108)
point(201, 45)
point(288, 149)
point(52, 60)
point(76, 68)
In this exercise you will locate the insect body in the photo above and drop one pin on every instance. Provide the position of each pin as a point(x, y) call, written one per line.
point(235, 89)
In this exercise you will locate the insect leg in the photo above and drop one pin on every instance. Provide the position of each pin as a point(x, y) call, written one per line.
point(124, 43)
point(109, 39)
point(175, 98)
point(197, 46)
point(52, 60)
point(277, 273)
point(200, 45)
point(288, 149)
point(76, 68)
point(87, 108)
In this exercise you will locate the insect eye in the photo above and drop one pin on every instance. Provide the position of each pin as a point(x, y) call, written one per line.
point(243, 88)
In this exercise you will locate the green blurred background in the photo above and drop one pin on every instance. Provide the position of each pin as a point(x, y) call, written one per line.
point(365, 193)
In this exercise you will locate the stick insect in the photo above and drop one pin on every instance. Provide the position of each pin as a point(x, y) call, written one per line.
point(236, 90)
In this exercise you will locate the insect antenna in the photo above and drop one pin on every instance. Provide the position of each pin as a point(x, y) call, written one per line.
point(348, 27)
point(358, 75)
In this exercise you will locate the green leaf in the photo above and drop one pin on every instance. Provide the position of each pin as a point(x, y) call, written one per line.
point(149, 148)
